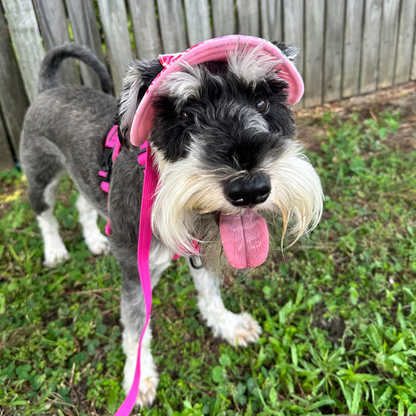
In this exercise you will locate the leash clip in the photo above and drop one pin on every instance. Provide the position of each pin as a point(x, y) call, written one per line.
point(196, 262)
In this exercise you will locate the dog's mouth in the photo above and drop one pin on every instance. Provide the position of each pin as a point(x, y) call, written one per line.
point(245, 238)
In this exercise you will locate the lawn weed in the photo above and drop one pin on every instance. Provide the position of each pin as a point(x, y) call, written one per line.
point(337, 309)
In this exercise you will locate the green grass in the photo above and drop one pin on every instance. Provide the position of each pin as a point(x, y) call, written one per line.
point(338, 310)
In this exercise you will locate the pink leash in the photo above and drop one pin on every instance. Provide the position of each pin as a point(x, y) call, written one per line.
point(143, 249)
point(144, 159)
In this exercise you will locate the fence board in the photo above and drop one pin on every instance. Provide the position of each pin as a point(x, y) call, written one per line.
point(271, 19)
point(85, 30)
point(27, 41)
point(6, 157)
point(248, 17)
point(413, 74)
point(223, 17)
point(334, 42)
point(405, 43)
point(145, 29)
point(293, 28)
point(197, 21)
point(172, 26)
point(13, 99)
point(352, 47)
point(370, 48)
point(53, 26)
point(388, 41)
point(293, 33)
point(117, 38)
point(314, 51)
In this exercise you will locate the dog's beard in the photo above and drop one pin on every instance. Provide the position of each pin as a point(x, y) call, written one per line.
point(190, 198)
point(296, 190)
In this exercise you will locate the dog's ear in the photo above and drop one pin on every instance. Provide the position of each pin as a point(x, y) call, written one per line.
point(290, 51)
point(135, 83)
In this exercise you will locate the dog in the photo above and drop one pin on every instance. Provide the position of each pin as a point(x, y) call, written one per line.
point(223, 145)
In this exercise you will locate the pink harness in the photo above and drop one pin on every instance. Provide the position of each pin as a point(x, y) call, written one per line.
point(210, 50)
point(145, 158)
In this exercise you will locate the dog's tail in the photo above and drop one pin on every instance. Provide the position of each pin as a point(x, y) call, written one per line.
point(48, 75)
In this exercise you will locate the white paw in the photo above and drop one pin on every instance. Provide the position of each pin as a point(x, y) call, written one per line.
point(98, 244)
point(55, 254)
point(149, 380)
point(238, 330)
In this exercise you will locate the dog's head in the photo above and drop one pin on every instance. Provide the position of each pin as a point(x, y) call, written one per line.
point(224, 148)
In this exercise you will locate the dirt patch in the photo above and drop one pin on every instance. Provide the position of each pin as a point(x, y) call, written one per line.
point(312, 138)
point(402, 99)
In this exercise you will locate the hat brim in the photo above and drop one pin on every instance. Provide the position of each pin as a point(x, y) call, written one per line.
point(212, 50)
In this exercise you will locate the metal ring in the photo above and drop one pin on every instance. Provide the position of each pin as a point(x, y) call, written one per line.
point(196, 262)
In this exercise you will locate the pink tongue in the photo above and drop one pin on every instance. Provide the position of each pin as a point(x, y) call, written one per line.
point(245, 239)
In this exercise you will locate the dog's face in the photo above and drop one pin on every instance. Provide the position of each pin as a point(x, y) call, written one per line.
point(223, 144)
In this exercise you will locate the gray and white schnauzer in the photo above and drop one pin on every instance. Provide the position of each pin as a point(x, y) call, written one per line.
point(223, 144)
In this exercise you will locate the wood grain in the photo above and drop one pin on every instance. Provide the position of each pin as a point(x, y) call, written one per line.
point(27, 41)
point(334, 43)
point(53, 26)
point(145, 29)
point(6, 157)
point(271, 19)
point(248, 17)
point(388, 42)
point(314, 52)
point(13, 98)
point(85, 30)
point(172, 26)
point(223, 17)
point(117, 39)
point(293, 33)
point(352, 47)
point(405, 42)
point(197, 21)
point(370, 48)
point(413, 74)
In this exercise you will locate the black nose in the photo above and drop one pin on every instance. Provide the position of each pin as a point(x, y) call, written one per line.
point(248, 190)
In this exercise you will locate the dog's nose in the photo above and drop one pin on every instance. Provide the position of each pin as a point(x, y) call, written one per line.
point(248, 190)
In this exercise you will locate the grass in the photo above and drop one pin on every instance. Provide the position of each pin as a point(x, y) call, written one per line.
point(338, 310)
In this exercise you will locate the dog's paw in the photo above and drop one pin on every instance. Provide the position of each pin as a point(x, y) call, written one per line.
point(147, 391)
point(240, 329)
point(98, 244)
point(149, 380)
point(55, 254)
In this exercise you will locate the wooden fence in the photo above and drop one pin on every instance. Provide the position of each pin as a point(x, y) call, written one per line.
point(348, 47)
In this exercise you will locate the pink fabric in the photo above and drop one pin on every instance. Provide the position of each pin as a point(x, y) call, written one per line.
point(105, 186)
point(143, 250)
point(209, 50)
point(112, 141)
point(117, 148)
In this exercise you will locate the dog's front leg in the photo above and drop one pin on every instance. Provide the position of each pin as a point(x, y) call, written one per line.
point(238, 329)
point(133, 319)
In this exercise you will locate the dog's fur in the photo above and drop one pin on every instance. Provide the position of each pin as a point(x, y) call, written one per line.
point(208, 132)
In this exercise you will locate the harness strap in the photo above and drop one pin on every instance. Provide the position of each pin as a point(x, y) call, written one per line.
point(111, 151)
point(145, 159)
point(143, 250)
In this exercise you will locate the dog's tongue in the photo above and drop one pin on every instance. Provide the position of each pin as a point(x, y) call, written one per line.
point(245, 239)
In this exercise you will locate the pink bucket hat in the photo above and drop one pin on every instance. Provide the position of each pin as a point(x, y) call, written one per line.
point(216, 49)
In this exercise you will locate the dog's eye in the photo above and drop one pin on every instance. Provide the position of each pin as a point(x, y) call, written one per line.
point(262, 106)
point(186, 116)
